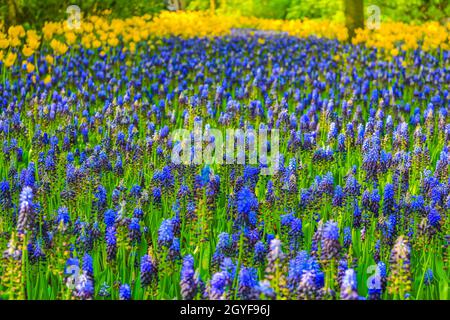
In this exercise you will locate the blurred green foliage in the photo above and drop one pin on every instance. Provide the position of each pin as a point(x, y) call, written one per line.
point(316, 9)
point(269, 9)
point(36, 12)
point(398, 10)
point(413, 10)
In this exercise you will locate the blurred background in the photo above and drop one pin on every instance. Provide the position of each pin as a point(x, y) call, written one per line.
point(34, 13)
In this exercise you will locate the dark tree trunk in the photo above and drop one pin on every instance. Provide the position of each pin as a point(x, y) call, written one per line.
point(354, 16)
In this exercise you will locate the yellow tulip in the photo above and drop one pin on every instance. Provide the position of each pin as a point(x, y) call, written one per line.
point(113, 42)
point(49, 59)
point(16, 31)
point(71, 38)
point(30, 67)
point(4, 43)
point(101, 30)
point(394, 52)
point(96, 44)
point(15, 42)
point(27, 51)
point(10, 59)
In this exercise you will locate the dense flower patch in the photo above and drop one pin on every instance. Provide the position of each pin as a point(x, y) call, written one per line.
point(94, 207)
point(100, 32)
